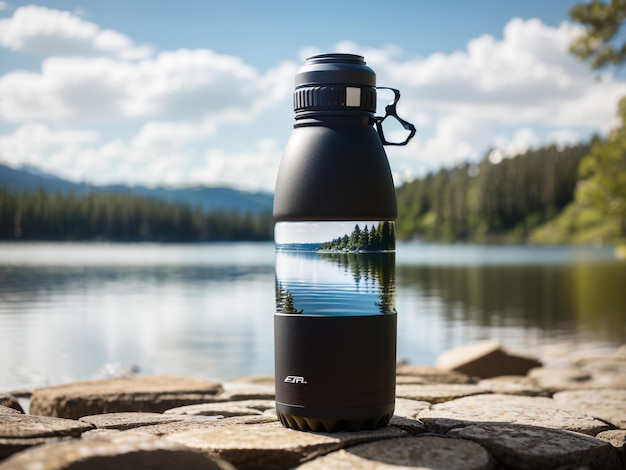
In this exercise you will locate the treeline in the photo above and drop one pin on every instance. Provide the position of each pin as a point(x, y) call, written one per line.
point(120, 217)
point(380, 237)
point(490, 201)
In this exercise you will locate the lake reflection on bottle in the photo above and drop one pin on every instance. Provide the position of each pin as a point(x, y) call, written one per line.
point(335, 268)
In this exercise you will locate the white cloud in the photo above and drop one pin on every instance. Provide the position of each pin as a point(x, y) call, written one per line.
point(42, 31)
point(196, 116)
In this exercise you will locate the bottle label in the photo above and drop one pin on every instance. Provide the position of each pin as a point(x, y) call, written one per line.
point(335, 268)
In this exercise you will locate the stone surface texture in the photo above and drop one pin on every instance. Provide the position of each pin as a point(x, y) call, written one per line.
point(485, 359)
point(563, 417)
point(140, 393)
point(10, 402)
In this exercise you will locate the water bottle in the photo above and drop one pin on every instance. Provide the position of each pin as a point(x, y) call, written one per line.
point(334, 208)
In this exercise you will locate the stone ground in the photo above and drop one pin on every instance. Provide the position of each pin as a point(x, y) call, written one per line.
point(568, 417)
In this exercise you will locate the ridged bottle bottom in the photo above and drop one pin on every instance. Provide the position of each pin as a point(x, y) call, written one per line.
point(303, 423)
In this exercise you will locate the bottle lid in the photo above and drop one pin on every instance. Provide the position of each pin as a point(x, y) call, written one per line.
point(335, 84)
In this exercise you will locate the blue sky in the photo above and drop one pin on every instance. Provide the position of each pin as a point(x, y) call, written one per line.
point(190, 92)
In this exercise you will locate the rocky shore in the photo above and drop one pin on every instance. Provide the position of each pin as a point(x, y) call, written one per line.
point(480, 408)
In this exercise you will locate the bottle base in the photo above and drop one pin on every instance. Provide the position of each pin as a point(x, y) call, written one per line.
point(321, 424)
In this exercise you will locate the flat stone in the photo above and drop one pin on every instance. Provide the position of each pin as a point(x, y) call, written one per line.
point(513, 385)
point(485, 359)
point(409, 408)
point(576, 378)
point(532, 411)
point(407, 374)
point(606, 404)
point(617, 438)
point(234, 391)
point(24, 426)
point(123, 451)
point(130, 420)
point(409, 452)
point(139, 393)
point(10, 402)
point(19, 432)
point(518, 446)
point(5, 410)
point(410, 425)
point(437, 393)
point(272, 446)
point(225, 409)
point(253, 380)
point(211, 421)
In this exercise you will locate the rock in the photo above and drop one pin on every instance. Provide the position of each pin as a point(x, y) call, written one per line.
point(409, 452)
point(621, 352)
point(234, 391)
point(406, 374)
point(5, 410)
point(130, 420)
point(617, 438)
point(225, 409)
point(19, 432)
point(409, 408)
point(140, 393)
point(485, 359)
point(437, 393)
point(267, 380)
point(122, 451)
point(272, 446)
point(409, 425)
point(10, 402)
point(575, 378)
point(532, 411)
point(517, 446)
point(209, 422)
point(608, 405)
point(513, 385)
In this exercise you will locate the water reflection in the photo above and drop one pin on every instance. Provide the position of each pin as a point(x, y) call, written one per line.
point(335, 283)
point(207, 310)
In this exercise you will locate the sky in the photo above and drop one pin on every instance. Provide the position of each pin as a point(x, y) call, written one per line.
point(181, 93)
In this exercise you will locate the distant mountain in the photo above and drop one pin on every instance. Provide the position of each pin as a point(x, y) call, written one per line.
point(210, 199)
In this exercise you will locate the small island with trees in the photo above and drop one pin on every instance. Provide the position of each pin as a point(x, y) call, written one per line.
point(379, 237)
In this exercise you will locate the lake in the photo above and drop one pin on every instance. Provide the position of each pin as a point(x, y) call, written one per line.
point(74, 311)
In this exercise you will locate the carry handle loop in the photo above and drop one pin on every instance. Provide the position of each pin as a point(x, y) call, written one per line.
point(390, 110)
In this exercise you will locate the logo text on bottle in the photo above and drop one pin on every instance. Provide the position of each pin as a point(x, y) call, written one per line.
point(294, 379)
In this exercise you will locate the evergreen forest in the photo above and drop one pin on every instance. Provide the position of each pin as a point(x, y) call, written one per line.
point(380, 237)
point(120, 217)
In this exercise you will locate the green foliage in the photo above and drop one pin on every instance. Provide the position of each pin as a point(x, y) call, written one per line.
point(599, 44)
point(490, 201)
point(604, 174)
point(380, 237)
point(119, 217)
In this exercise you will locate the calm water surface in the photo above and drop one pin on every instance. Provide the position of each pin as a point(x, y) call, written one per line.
point(77, 311)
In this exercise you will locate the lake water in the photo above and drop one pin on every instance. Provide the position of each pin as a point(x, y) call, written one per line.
point(77, 311)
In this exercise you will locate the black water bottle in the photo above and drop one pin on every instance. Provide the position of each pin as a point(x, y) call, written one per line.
point(334, 208)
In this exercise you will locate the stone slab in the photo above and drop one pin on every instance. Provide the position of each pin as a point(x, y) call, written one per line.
point(485, 359)
point(406, 453)
point(617, 438)
point(517, 446)
point(130, 420)
point(5, 410)
point(225, 409)
point(489, 409)
point(10, 402)
point(430, 375)
point(19, 432)
point(272, 446)
point(437, 393)
point(139, 393)
point(513, 385)
point(606, 404)
point(409, 408)
point(236, 391)
point(211, 422)
point(123, 451)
